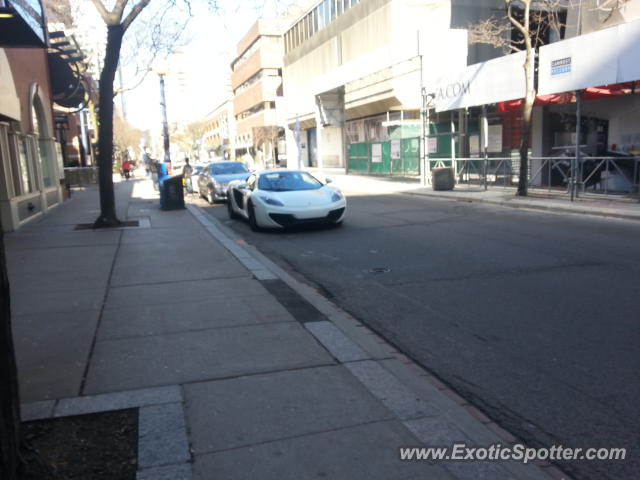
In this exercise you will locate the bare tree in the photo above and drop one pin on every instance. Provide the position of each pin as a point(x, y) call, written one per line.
point(125, 136)
point(525, 26)
point(189, 135)
point(118, 20)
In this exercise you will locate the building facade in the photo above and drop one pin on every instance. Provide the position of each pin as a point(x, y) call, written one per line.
point(353, 76)
point(379, 86)
point(220, 134)
point(256, 82)
point(30, 168)
point(584, 127)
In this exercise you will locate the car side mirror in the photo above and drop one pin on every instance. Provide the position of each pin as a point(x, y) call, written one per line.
point(328, 180)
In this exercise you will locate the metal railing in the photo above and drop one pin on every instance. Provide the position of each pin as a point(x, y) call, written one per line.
point(598, 175)
point(81, 176)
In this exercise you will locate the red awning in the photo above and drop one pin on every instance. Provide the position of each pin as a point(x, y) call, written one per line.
point(591, 93)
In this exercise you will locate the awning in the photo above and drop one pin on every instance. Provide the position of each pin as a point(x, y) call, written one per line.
point(66, 70)
point(9, 101)
point(498, 80)
point(591, 93)
point(66, 82)
point(22, 24)
point(606, 57)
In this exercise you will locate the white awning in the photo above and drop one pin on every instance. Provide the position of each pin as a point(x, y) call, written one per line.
point(592, 60)
point(9, 102)
point(497, 80)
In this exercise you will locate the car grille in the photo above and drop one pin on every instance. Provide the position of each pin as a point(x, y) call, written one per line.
point(288, 220)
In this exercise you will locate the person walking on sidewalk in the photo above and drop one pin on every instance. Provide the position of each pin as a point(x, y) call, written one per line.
point(187, 171)
point(126, 168)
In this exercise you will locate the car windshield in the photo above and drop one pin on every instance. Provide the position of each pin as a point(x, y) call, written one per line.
point(228, 168)
point(288, 181)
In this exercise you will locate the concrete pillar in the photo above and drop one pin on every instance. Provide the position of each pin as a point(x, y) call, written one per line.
point(330, 121)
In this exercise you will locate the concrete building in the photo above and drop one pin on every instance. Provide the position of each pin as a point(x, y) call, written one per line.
point(377, 86)
point(256, 81)
point(220, 134)
point(353, 72)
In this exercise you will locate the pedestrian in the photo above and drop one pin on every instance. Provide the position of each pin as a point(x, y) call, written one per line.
point(126, 168)
point(187, 171)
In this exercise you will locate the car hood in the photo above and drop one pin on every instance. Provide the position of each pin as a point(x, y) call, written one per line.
point(224, 179)
point(303, 198)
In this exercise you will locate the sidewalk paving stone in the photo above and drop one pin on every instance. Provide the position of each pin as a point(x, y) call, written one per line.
point(51, 352)
point(162, 435)
point(390, 391)
point(244, 411)
point(183, 291)
point(170, 472)
point(117, 401)
point(63, 237)
point(130, 363)
point(133, 269)
point(205, 313)
point(363, 452)
point(23, 300)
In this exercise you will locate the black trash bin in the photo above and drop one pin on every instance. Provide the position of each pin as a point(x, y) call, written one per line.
point(171, 193)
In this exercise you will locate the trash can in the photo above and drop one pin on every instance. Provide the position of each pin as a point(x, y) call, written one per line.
point(442, 178)
point(171, 193)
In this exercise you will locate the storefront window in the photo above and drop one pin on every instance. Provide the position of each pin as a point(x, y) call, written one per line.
point(42, 145)
point(26, 173)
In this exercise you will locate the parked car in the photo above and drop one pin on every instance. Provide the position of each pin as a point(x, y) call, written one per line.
point(284, 198)
point(214, 178)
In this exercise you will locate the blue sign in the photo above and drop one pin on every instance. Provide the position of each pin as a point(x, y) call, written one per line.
point(561, 66)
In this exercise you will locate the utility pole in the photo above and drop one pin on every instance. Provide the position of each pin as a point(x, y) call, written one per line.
point(165, 123)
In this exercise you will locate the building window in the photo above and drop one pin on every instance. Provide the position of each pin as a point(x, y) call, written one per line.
point(315, 20)
point(43, 143)
point(327, 12)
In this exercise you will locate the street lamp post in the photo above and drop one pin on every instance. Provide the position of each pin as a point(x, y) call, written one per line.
point(165, 123)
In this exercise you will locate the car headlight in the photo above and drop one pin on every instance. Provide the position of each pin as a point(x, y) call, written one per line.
point(272, 201)
point(336, 197)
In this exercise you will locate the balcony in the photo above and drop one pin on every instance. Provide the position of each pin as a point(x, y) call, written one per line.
point(264, 90)
point(265, 118)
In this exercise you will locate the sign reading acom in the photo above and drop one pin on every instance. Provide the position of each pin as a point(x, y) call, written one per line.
point(593, 60)
point(497, 80)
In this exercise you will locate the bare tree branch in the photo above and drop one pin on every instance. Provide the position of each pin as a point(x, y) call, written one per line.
point(135, 11)
point(104, 13)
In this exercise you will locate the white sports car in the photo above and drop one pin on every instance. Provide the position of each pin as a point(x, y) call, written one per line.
point(284, 198)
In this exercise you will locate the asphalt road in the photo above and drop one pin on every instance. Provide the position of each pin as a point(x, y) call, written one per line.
point(533, 317)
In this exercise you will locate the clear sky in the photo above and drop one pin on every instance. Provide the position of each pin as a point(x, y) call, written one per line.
point(205, 59)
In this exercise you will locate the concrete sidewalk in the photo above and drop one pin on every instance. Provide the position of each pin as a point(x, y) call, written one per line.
point(612, 206)
point(238, 370)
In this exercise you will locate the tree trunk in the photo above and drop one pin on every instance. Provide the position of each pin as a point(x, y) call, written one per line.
point(108, 216)
point(527, 111)
point(523, 177)
point(9, 397)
